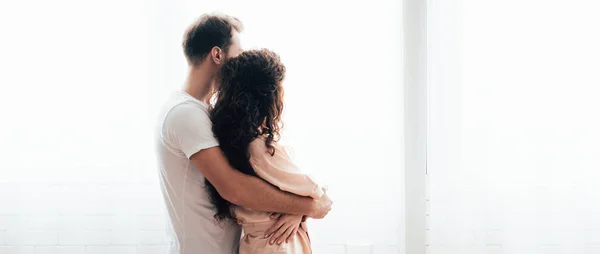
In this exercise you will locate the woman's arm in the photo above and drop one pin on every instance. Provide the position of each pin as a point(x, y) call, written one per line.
point(279, 170)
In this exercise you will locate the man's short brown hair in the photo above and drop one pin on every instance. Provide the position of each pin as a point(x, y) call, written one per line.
point(208, 31)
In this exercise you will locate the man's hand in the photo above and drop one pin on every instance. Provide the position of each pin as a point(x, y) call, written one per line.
point(285, 228)
point(322, 206)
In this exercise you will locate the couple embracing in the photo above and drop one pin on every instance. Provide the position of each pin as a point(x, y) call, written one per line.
point(227, 184)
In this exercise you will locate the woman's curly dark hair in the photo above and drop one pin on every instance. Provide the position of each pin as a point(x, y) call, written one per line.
point(249, 104)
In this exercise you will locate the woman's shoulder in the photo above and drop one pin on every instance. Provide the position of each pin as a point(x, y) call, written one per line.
point(258, 143)
point(259, 147)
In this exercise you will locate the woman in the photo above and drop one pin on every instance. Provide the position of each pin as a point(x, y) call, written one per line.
point(246, 121)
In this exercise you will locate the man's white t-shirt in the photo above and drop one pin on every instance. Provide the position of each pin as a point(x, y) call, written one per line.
point(183, 129)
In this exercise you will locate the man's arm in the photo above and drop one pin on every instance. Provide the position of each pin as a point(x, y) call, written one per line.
point(188, 127)
point(252, 192)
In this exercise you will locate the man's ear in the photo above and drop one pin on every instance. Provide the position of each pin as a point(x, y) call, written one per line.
point(217, 55)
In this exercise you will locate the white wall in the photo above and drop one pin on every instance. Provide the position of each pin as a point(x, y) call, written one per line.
point(81, 82)
point(513, 145)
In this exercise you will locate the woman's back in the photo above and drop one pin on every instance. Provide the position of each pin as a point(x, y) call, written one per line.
point(246, 120)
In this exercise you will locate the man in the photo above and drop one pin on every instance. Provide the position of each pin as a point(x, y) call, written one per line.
point(188, 152)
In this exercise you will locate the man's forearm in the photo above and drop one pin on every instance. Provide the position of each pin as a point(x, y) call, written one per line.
point(259, 195)
point(248, 191)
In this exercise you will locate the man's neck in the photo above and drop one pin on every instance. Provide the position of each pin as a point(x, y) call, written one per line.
point(200, 83)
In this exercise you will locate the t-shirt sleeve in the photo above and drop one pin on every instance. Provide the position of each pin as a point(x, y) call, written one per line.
point(281, 172)
point(188, 127)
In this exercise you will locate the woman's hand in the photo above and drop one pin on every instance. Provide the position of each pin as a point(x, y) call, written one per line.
point(285, 228)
